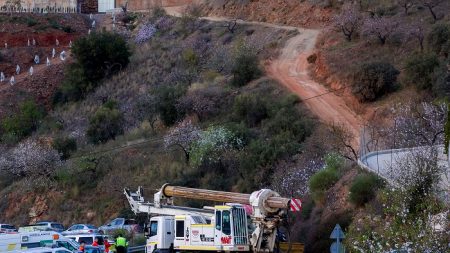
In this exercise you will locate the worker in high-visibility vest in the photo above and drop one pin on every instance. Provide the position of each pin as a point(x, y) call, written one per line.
point(121, 244)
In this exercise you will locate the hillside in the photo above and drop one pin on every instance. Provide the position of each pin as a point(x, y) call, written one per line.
point(285, 95)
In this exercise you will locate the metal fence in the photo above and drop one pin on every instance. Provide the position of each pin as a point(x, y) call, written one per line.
point(136, 249)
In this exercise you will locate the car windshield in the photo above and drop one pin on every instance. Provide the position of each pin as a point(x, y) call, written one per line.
point(91, 226)
point(87, 240)
point(57, 226)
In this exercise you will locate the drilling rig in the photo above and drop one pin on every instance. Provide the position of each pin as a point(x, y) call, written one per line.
point(245, 223)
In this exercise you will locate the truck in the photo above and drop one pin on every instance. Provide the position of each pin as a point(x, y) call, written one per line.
point(244, 223)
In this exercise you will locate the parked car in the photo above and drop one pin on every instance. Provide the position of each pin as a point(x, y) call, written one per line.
point(92, 249)
point(81, 229)
point(50, 226)
point(7, 228)
point(88, 239)
point(42, 250)
point(120, 223)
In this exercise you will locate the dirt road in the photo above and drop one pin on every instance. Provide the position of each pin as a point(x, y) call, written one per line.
point(291, 70)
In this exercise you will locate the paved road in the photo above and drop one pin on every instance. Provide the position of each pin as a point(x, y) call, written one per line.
point(386, 162)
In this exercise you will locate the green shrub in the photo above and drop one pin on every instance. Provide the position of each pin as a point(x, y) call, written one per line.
point(419, 70)
point(68, 29)
point(245, 69)
point(167, 97)
point(324, 179)
point(65, 146)
point(121, 232)
point(438, 37)
point(364, 188)
point(250, 108)
point(24, 122)
point(441, 86)
point(97, 56)
point(106, 124)
point(373, 80)
point(307, 208)
point(31, 22)
point(138, 241)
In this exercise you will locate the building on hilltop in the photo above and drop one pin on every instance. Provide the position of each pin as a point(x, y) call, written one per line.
point(83, 6)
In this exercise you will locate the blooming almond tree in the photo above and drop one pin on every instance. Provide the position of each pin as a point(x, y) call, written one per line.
point(211, 145)
point(348, 21)
point(145, 33)
point(379, 27)
point(30, 159)
point(183, 135)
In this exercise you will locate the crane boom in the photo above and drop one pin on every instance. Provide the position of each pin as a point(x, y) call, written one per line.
point(220, 196)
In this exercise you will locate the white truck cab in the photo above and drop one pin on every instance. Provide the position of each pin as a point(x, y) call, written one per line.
point(227, 231)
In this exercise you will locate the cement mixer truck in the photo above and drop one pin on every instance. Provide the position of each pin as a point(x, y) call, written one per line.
point(244, 223)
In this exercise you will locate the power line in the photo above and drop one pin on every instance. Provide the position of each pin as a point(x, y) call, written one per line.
point(151, 140)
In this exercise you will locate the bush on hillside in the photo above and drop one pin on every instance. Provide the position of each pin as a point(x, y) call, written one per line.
point(419, 70)
point(441, 87)
point(438, 37)
point(364, 189)
point(373, 80)
point(167, 99)
point(106, 124)
point(65, 146)
point(250, 108)
point(320, 182)
point(97, 56)
point(245, 69)
point(22, 123)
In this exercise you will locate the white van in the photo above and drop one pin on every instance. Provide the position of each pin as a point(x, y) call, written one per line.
point(21, 241)
point(88, 239)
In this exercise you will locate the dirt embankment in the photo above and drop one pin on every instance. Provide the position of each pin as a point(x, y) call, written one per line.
point(288, 12)
point(28, 35)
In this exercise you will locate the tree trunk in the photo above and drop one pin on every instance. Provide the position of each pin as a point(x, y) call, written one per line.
point(432, 12)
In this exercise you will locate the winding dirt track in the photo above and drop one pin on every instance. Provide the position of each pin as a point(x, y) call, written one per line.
point(291, 70)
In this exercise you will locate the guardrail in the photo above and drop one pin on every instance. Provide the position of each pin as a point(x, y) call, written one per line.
point(136, 249)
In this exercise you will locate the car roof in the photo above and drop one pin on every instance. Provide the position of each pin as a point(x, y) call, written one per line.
point(84, 234)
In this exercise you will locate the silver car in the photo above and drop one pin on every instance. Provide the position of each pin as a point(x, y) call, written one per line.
point(50, 226)
point(7, 228)
point(81, 229)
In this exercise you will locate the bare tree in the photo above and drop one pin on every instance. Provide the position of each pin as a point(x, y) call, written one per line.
point(341, 139)
point(348, 21)
point(416, 31)
point(431, 5)
point(203, 102)
point(231, 25)
point(407, 4)
point(183, 135)
point(380, 27)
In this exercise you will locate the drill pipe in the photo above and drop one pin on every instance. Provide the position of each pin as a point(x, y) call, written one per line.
point(220, 196)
